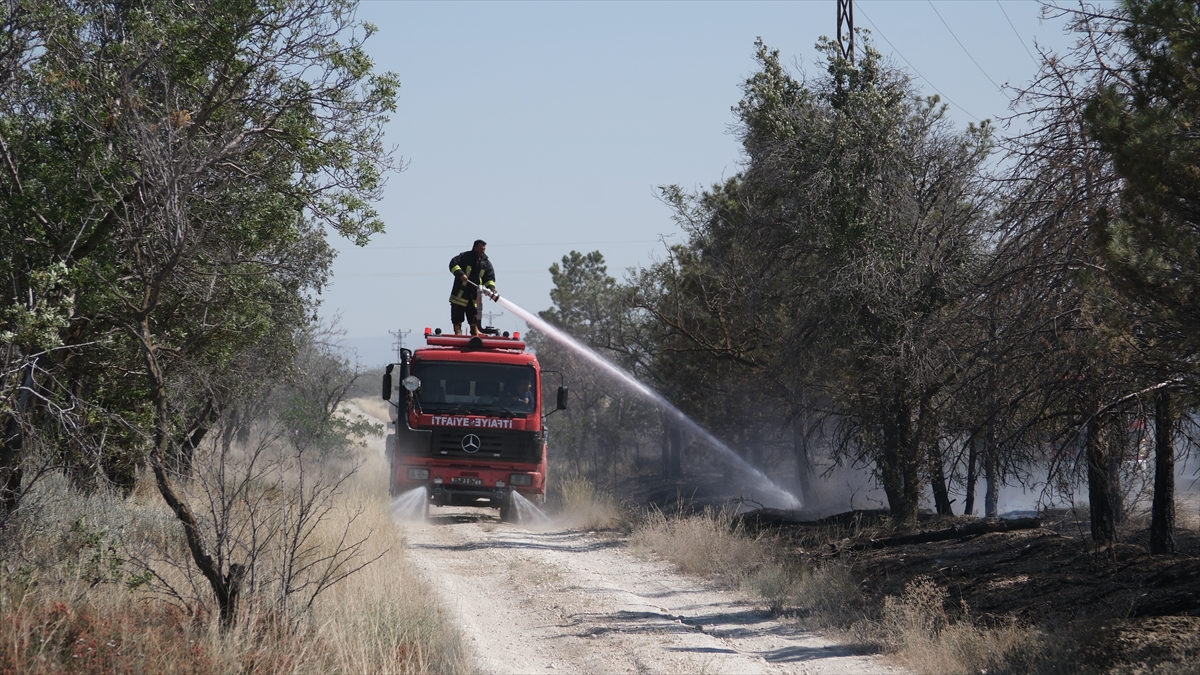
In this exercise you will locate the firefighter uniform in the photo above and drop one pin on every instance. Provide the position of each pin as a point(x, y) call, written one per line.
point(463, 295)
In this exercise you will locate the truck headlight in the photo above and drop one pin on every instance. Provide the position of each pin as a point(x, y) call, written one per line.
point(521, 479)
point(418, 474)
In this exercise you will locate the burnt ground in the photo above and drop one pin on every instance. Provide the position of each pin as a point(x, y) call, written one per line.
point(1115, 609)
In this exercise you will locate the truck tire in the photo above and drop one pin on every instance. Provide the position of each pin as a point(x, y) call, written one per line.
point(508, 510)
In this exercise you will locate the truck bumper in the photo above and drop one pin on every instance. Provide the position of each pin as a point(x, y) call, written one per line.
point(443, 494)
point(450, 479)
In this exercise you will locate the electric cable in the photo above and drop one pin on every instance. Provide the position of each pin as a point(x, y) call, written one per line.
point(560, 243)
point(914, 68)
point(1018, 34)
point(968, 53)
point(365, 275)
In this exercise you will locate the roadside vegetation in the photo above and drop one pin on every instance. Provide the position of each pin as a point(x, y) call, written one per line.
point(945, 309)
point(914, 626)
point(576, 502)
point(951, 310)
point(102, 581)
point(883, 310)
point(82, 590)
point(1037, 601)
point(179, 487)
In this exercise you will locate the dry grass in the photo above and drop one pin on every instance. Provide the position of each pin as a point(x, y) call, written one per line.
point(383, 618)
point(710, 544)
point(577, 503)
point(918, 631)
point(914, 628)
point(706, 544)
point(72, 599)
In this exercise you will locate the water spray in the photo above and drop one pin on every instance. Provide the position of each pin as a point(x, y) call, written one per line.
point(786, 499)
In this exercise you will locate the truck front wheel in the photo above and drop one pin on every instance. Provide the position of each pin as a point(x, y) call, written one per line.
point(508, 510)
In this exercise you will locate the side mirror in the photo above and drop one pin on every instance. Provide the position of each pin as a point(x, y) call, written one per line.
point(387, 384)
point(562, 398)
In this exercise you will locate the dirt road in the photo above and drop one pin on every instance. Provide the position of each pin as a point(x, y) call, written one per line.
point(558, 600)
point(565, 601)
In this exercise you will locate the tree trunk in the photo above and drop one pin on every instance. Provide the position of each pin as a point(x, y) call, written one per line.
point(11, 448)
point(240, 419)
point(672, 448)
point(898, 468)
point(925, 435)
point(10, 466)
point(10, 471)
point(666, 446)
point(912, 483)
point(1162, 518)
point(937, 478)
point(991, 478)
point(804, 464)
point(1104, 524)
point(972, 477)
point(888, 468)
point(1117, 448)
point(676, 450)
point(193, 438)
point(226, 588)
point(953, 532)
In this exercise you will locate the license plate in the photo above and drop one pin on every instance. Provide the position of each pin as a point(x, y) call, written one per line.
point(460, 480)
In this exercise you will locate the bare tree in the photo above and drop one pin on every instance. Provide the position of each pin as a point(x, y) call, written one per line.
point(1073, 353)
point(265, 509)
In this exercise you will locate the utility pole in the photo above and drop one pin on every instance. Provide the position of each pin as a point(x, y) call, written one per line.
point(491, 316)
point(399, 343)
point(845, 15)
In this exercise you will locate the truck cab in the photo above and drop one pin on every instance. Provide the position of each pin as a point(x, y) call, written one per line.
point(467, 422)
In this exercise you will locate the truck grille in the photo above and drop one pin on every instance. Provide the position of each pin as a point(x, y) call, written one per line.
point(525, 446)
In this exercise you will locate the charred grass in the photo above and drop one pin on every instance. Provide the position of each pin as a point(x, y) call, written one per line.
point(1035, 601)
point(76, 596)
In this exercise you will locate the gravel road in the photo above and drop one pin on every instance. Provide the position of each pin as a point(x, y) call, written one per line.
point(565, 601)
point(558, 600)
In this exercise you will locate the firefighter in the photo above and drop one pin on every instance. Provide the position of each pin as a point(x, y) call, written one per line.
point(521, 396)
point(472, 270)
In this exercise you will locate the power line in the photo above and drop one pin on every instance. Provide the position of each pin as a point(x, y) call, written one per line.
point(560, 243)
point(1019, 38)
point(964, 48)
point(365, 275)
point(914, 68)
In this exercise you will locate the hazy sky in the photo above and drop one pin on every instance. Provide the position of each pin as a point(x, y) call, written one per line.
point(544, 127)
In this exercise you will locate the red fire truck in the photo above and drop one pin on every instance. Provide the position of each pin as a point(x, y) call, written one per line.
point(468, 422)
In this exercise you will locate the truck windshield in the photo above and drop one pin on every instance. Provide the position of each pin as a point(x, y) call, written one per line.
point(476, 388)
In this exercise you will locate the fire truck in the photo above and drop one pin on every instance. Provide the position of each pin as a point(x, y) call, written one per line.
point(467, 422)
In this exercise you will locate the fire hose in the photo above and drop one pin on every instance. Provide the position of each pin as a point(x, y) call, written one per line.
point(490, 292)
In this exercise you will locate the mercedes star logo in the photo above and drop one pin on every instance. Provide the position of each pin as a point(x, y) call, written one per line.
point(471, 443)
